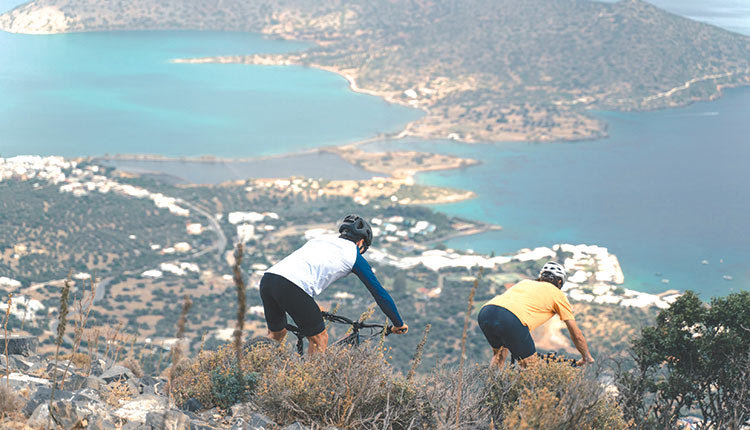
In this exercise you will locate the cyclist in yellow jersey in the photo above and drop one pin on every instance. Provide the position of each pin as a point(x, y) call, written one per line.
point(508, 319)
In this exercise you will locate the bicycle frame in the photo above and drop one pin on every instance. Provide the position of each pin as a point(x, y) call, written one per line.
point(351, 339)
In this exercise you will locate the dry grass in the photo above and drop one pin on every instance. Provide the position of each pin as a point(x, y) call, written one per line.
point(83, 306)
point(133, 365)
point(470, 304)
point(547, 396)
point(556, 395)
point(345, 387)
point(62, 321)
point(441, 390)
point(418, 353)
point(81, 361)
point(10, 403)
point(117, 393)
point(241, 300)
point(5, 328)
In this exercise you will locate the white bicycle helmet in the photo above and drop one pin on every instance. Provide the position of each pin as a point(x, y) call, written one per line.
point(555, 269)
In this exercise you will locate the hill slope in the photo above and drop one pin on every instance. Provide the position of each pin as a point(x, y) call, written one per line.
point(482, 69)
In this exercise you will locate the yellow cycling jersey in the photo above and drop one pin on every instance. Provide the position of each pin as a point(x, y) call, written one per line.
point(534, 302)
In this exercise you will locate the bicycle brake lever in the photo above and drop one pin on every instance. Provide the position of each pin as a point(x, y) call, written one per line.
point(388, 329)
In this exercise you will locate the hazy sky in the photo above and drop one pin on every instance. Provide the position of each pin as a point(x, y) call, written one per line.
point(733, 15)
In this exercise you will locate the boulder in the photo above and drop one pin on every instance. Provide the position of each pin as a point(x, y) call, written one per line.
point(200, 425)
point(254, 422)
point(69, 414)
point(117, 373)
point(137, 409)
point(19, 381)
point(19, 345)
point(39, 418)
point(28, 365)
point(94, 382)
point(74, 381)
point(42, 396)
point(66, 415)
point(60, 366)
point(151, 385)
point(192, 404)
point(260, 421)
point(240, 424)
point(97, 366)
point(167, 420)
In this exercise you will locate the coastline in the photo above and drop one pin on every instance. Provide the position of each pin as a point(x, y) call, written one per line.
point(344, 170)
point(437, 123)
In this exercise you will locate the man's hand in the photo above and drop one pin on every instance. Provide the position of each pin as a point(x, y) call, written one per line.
point(580, 342)
point(400, 330)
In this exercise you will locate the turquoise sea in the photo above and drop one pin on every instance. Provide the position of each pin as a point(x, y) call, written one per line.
point(667, 190)
point(119, 93)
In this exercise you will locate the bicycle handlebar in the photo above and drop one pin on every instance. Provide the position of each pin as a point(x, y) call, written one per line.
point(356, 324)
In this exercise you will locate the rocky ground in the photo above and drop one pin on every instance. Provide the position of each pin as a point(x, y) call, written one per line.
point(104, 395)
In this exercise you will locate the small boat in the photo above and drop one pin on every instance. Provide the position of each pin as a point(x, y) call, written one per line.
point(727, 278)
point(665, 281)
point(704, 262)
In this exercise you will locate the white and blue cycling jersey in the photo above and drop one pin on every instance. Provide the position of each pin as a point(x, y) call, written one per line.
point(322, 261)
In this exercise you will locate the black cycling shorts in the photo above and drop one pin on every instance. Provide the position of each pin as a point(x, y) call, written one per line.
point(502, 327)
point(281, 297)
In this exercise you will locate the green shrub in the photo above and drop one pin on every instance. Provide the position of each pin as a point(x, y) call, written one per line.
point(214, 378)
point(229, 386)
point(694, 358)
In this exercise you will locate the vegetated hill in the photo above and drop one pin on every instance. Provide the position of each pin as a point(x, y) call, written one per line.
point(483, 69)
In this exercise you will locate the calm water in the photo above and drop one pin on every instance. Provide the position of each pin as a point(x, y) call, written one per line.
point(99, 93)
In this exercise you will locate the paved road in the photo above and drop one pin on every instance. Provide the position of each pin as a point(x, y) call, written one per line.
point(218, 246)
point(221, 241)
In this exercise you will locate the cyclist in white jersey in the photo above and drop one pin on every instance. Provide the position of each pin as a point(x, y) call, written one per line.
point(291, 285)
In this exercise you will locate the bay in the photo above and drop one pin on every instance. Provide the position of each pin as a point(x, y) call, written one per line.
point(87, 94)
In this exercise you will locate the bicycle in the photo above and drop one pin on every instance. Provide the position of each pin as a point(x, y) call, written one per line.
point(353, 338)
point(550, 357)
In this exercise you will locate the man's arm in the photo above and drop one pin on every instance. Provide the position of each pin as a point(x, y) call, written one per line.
point(364, 272)
point(580, 342)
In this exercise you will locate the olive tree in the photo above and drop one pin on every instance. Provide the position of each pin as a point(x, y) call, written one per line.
point(696, 358)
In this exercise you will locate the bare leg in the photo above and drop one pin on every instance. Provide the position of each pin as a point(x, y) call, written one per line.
point(499, 355)
point(318, 343)
point(278, 336)
point(530, 360)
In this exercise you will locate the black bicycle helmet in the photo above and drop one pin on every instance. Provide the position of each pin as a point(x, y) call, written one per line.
point(354, 228)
